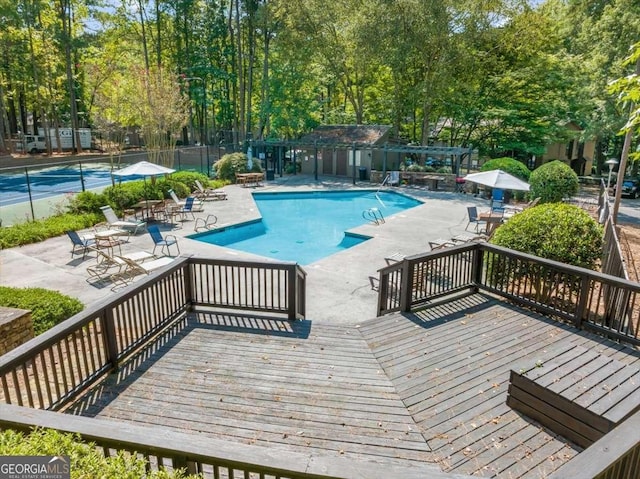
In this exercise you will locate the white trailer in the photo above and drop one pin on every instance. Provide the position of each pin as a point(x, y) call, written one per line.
point(35, 144)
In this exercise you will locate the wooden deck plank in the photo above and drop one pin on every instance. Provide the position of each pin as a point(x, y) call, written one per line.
point(428, 387)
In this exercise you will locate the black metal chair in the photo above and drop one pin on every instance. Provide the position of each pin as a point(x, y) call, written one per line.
point(84, 243)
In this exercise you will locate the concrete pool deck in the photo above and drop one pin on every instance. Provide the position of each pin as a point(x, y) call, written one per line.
point(339, 287)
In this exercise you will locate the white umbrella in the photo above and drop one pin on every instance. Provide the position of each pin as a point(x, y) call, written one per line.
point(498, 179)
point(143, 168)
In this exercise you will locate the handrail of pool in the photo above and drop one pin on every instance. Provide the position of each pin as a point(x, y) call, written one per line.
point(48, 371)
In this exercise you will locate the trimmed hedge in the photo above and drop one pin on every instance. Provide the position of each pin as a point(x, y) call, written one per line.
point(39, 230)
point(552, 182)
point(508, 165)
point(555, 231)
point(232, 163)
point(85, 459)
point(48, 308)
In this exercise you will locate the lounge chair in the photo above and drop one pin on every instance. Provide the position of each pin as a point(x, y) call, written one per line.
point(164, 242)
point(205, 194)
point(108, 265)
point(133, 268)
point(394, 178)
point(114, 222)
point(84, 243)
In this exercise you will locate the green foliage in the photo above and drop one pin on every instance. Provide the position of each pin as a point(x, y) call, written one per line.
point(415, 167)
point(39, 230)
point(189, 178)
point(556, 231)
point(124, 195)
point(48, 308)
point(508, 165)
point(179, 188)
point(232, 163)
point(86, 459)
point(552, 182)
point(87, 202)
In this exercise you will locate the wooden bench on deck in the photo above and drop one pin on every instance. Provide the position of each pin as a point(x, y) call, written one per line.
point(580, 394)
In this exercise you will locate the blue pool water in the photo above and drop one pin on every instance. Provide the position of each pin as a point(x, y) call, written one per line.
point(306, 227)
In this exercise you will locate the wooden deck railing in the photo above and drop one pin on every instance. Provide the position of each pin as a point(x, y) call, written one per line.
point(48, 371)
point(592, 300)
point(211, 458)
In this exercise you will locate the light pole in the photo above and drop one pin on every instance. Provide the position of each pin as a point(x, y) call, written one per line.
point(611, 162)
point(204, 109)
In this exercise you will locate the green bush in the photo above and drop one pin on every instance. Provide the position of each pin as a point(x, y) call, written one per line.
point(179, 188)
point(232, 163)
point(415, 167)
point(87, 202)
point(189, 178)
point(39, 230)
point(48, 308)
point(555, 231)
point(85, 458)
point(552, 182)
point(508, 165)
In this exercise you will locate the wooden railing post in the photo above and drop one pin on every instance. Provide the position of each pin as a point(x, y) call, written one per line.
point(291, 292)
point(109, 333)
point(478, 265)
point(582, 301)
point(189, 280)
point(406, 286)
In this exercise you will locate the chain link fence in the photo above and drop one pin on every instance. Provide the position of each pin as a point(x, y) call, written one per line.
point(41, 190)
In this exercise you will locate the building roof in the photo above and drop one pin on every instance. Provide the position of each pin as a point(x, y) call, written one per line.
point(341, 134)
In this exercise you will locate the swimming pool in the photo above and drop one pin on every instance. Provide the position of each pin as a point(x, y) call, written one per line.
point(306, 227)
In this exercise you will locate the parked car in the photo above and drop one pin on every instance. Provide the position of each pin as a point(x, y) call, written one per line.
point(630, 188)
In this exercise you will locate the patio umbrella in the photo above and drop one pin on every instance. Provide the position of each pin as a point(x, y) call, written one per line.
point(144, 169)
point(498, 179)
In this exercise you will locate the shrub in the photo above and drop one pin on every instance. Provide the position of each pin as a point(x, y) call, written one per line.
point(87, 202)
point(552, 182)
point(85, 458)
point(39, 230)
point(232, 163)
point(556, 231)
point(189, 178)
point(508, 165)
point(415, 167)
point(48, 308)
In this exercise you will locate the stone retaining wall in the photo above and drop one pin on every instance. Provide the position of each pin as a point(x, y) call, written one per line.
point(16, 328)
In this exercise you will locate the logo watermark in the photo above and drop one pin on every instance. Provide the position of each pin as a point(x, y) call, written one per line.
point(34, 467)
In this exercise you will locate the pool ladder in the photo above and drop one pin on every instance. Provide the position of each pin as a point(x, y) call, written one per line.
point(374, 215)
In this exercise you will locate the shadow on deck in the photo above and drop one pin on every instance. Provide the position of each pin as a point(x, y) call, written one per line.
point(422, 387)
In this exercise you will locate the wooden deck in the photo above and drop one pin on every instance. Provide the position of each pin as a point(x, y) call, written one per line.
point(430, 386)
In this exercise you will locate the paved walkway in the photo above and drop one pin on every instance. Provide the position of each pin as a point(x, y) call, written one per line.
point(339, 287)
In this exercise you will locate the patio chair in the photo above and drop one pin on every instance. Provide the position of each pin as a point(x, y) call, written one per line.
point(394, 178)
point(164, 242)
point(204, 194)
point(84, 243)
point(186, 209)
point(197, 205)
point(472, 212)
point(114, 222)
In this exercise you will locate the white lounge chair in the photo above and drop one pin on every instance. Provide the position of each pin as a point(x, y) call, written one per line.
point(114, 222)
point(205, 194)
